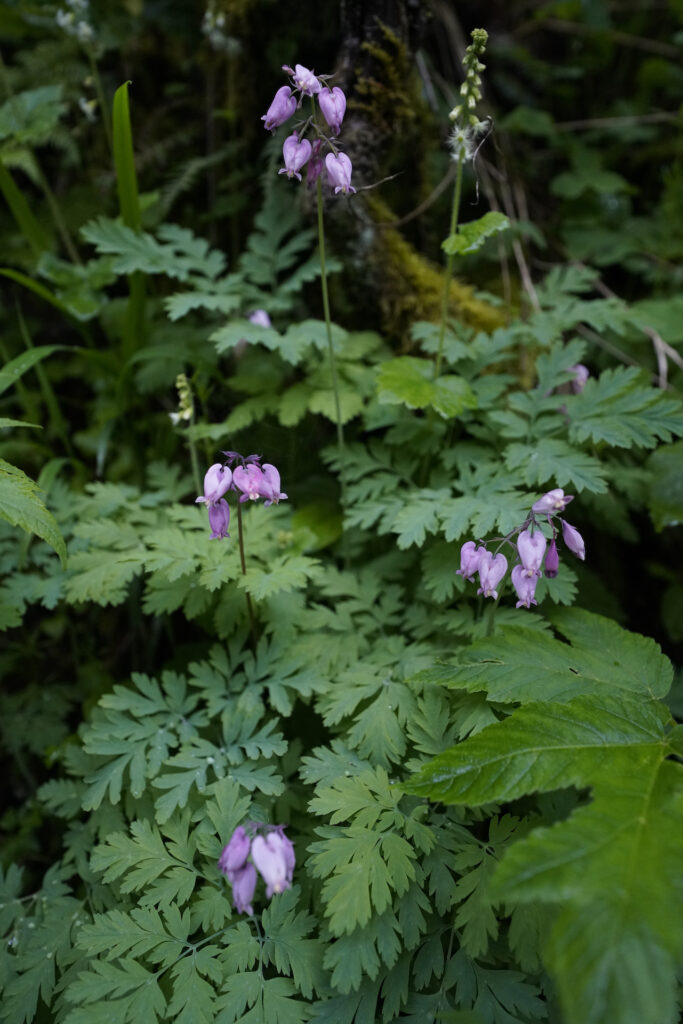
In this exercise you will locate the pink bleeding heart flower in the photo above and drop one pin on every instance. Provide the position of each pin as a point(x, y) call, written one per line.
point(531, 547)
point(470, 555)
point(281, 109)
point(295, 154)
point(333, 105)
point(249, 480)
point(305, 80)
point(339, 172)
point(216, 482)
point(491, 571)
point(274, 859)
point(219, 519)
point(525, 585)
point(270, 485)
point(552, 501)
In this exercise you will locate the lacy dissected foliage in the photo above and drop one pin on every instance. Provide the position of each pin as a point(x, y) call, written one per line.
point(486, 802)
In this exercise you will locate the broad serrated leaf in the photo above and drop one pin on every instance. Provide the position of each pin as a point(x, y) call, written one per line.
point(550, 460)
point(618, 410)
point(21, 506)
point(521, 665)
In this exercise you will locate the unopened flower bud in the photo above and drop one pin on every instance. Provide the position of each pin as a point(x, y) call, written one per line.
point(552, 561)
point(573, 540)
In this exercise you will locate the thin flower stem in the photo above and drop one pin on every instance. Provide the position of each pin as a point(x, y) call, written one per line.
point(449, 268)
point(101, 98)
point(243, 563)
point(330, 347)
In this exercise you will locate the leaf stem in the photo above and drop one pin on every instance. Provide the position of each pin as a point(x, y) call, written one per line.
point(455, 209)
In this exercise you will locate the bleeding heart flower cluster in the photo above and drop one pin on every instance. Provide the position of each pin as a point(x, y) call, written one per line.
point(249, 478)
point(531, 548)
point(297, 150)
point(272, 855)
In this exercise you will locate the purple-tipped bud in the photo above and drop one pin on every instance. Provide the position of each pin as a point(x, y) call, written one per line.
point(339, 172)
point(280, 110)
point(295, 155)
point(234, 855)
point(219, 519)
point(274, 858)
point(216, 482)
point(552, 501)
point(243, 886)
point(573, 540)
point(315, 164)
point(270, 485)
point(333, 105)
point(491, 571)
point(306, 81)
point(469, 560)
point(525, 586)
point(249, 480)
point(552, 561)
point(531, 547)
point(581, 375)
point(260, 318)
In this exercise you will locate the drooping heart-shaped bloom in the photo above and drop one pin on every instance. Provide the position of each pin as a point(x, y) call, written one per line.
point(234, 855)
point(216, 482)
point(305, 80)
point(573, 540)
point(270, 485)
point(531, 547)
point(581, 375)
point(469, 560)
point(339, 172)
point(552, 501)
point(491, 571)
point(552, 561)
point(243, 886)
point(280, 110)
point(295, 154)
point(260, 318)
point(219, 519)
point(274, 858)
point(525, 585)
point(248, 479)
point(333, 105)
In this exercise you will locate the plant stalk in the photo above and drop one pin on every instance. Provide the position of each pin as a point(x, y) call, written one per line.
point(455, 209)
point(243, 563)
point(330, 346)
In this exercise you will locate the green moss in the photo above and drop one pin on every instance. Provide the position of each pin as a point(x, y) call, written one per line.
point(412, 286)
